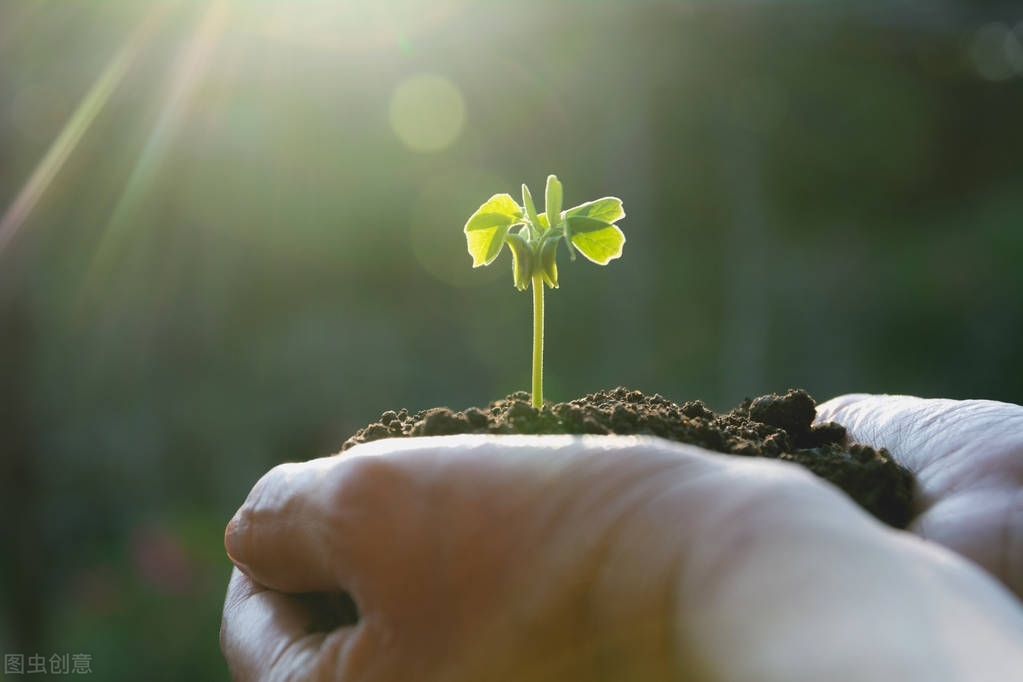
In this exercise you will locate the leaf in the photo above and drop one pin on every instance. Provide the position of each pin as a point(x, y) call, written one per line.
point(549, 261)
point(608, 210)
point(487, 227)
point(595, 239)
point(553, 200)
point(527, 201)
point(522, 261)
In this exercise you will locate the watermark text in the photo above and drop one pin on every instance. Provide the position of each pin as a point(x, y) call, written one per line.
point(56, 664)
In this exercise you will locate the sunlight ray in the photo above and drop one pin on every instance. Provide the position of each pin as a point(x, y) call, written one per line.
point(185, 78)
point(72, 133)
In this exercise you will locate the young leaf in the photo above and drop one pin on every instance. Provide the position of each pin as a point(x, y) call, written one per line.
point(549, 261)
point(527, 202)
point(553, 200)
point(608, 210)
point(522, 260)
point(486, 229)
point(595, 239)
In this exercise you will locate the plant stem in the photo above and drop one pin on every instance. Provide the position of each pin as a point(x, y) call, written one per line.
point(537, 340)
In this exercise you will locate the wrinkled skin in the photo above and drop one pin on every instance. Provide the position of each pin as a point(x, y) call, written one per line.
point(967, 456)
point(618, 558)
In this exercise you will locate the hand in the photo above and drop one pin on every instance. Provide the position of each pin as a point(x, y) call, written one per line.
point(553, 558)
point(967, 456)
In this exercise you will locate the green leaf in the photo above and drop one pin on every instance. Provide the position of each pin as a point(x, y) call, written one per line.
point(522, 261)
point(527, 201)
point(487, 228)
point(549, 261)
point(595, 239)
point(608, 210)
point(553, 200)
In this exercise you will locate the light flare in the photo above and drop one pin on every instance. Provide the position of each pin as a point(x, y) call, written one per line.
point(191, 67)
point(68, 138)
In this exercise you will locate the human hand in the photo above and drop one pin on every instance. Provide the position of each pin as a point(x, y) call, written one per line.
point(613, 558)
point(967, 457)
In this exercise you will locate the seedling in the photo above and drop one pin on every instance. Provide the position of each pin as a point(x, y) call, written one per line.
point(533, 240)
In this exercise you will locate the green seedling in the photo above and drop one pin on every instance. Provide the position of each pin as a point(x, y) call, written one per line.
point(533, 240)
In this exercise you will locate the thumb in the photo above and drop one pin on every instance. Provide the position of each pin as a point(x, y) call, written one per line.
point(362, 522)
point(304, 526)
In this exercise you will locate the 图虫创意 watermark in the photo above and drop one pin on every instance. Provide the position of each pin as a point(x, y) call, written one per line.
point(56, 664)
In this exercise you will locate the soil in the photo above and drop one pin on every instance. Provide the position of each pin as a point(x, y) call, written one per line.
point(775, 426)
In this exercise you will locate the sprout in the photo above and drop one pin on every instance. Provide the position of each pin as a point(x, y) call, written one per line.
point(533, 241)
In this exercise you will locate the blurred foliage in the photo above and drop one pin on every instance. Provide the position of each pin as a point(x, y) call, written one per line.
point(226, 244)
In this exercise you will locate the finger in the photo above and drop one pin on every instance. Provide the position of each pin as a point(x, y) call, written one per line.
point(268, 635)
point(822, 593)
point(281, 515)
point(927, 434)
point(359, 522)
point(782, 579)
point(313, 526)
point(967, 456)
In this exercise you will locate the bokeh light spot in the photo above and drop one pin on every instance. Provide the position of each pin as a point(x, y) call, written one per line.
point(994, 49)
point(1014, 48)
point(427, 112)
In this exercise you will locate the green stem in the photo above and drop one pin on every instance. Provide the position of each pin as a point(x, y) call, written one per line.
point(537, 340)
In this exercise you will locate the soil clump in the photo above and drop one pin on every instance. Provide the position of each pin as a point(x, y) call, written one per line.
point(774, 426)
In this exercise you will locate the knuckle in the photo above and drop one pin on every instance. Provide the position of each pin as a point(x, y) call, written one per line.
point(363, 480)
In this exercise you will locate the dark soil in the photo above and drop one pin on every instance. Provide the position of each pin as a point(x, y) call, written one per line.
point(773, 426)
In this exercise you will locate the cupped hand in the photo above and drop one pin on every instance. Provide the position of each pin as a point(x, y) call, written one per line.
point(609, 558)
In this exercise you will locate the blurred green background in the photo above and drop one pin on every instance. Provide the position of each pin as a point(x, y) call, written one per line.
point(231, 234)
